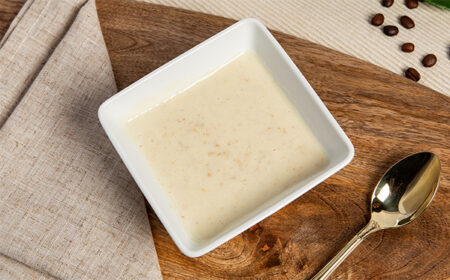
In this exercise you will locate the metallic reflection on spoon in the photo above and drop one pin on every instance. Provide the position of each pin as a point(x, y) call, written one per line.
point(402, 194)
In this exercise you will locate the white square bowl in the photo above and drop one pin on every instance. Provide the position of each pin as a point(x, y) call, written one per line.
point(171, 78)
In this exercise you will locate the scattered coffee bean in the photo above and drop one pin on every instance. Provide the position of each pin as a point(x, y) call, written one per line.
point(390, 30)
point(412, 74)
point(408, 47)
point(412, 4)
point(407, 22)
point(429, 60)
point(387, 3)
point(377, 19)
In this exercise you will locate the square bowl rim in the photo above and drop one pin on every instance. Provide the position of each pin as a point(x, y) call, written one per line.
point(274, 207)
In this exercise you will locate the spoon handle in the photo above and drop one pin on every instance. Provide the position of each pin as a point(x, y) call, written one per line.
point(325, 272)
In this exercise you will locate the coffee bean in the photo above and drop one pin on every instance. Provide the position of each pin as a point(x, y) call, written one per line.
point(412, 4)
point(408, 47)
point(407, 22)
point(390, 30)
point(429, 60)
point(412, 74)
point(387, 3)
point(377, 19)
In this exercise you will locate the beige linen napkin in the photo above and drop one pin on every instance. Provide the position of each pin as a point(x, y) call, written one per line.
point(68, 207)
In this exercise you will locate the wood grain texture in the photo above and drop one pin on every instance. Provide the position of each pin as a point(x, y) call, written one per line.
point(8, 10)
point(386, 117)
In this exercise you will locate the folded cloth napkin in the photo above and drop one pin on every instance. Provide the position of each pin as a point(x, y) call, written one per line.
point(68, 207)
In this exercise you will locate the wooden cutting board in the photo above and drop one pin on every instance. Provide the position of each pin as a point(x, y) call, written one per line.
point(386, 117)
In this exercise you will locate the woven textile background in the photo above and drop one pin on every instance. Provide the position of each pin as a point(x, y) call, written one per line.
point(344, 26)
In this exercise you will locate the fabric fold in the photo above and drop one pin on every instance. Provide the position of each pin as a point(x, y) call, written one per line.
point(27, 45)
point(68, 206)
point(12, 269)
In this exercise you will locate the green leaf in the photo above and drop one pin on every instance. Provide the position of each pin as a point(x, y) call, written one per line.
point(443, 4)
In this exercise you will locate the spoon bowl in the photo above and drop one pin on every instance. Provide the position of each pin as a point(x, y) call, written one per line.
point(405, 190)
point(401, 195)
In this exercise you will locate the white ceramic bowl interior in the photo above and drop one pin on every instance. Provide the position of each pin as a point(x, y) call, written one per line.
point(169, 79)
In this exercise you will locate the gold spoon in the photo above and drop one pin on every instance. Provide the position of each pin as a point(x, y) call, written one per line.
point(402, 194)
